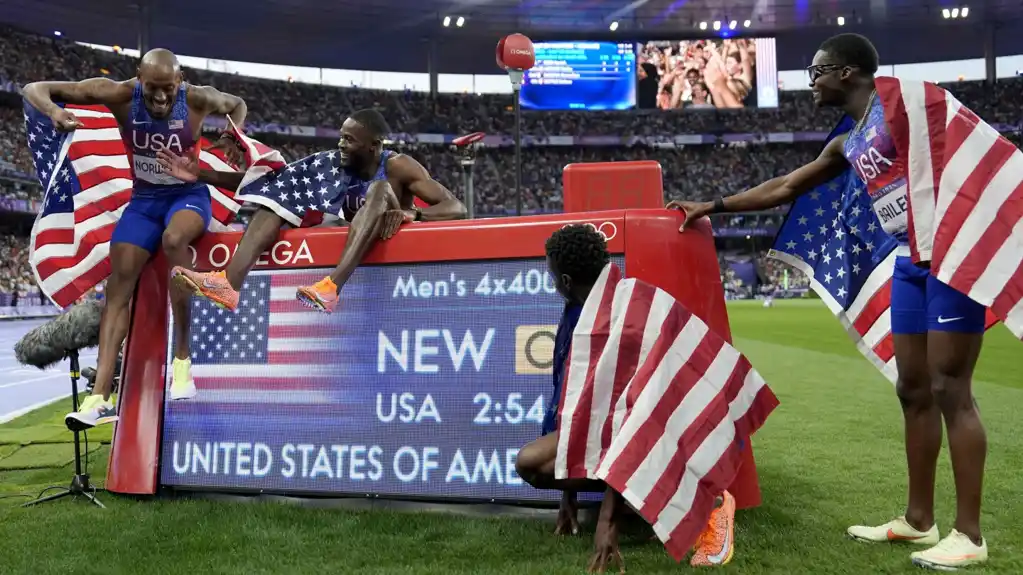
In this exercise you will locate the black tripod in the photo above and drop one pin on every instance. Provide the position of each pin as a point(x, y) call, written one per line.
point(80, 482)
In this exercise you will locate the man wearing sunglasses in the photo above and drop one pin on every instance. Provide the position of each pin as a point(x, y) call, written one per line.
point(937, 330)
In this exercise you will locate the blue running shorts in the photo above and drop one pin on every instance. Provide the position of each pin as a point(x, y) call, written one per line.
point(922, 303)
point(145, 218)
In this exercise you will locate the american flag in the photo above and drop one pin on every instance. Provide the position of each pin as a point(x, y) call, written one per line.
point(965, 195)
point(270, 350)
point(87, 183)
point(657, 406)
point(832, 235)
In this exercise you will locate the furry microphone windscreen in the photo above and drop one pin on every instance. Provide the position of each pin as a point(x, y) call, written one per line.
point(75, 329)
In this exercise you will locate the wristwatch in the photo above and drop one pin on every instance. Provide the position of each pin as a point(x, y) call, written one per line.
point(419, 213)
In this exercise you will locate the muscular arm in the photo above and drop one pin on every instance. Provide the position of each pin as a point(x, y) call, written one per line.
point(44, 95)
point(414, 177)
point(227, 180)
point(212, 101)
point(784, 189)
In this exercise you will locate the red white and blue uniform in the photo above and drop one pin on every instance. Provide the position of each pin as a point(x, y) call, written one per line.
point(156, 196)
point(919, 301)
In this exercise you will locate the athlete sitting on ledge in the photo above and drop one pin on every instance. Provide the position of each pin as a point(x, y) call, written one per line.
point(361, 182)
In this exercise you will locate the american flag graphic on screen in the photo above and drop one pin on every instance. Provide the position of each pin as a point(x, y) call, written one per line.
point(269, 350)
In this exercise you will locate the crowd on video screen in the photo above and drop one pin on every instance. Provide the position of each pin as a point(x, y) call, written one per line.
point(697, 74)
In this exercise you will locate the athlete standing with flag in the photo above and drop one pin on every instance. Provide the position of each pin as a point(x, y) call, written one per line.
point(155, 111)
point(937, 330)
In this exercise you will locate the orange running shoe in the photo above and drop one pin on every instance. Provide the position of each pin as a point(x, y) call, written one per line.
point(716, 544)
point(321, 296)
point(210, 285)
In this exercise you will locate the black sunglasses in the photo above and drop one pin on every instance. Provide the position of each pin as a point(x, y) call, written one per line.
point(819, 70)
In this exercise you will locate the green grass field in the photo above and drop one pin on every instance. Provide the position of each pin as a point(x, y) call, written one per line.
point(830, 456)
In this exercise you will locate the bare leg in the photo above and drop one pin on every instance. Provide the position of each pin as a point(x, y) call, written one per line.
point(126, 261)
point(952, 358)
point(923, 427)
point(259, 235)
point(365, 230)
point(184, 227)
point(535, 465)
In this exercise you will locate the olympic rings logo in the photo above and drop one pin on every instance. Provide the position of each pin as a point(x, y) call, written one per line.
point(607, 230)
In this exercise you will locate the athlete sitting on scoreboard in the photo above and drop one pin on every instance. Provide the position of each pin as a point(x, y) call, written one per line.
point(576, 256)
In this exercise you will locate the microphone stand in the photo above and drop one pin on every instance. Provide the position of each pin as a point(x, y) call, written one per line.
point(80, 481)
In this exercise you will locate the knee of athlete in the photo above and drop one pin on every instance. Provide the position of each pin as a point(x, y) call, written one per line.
point(526, 467)
point(951, 393)
point(174, 241)
point(914, 391)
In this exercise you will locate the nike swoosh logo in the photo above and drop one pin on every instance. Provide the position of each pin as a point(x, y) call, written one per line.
point(207, 284)
point(893, 536)
point(137, 123)
point(720, 557)
point(948, 319)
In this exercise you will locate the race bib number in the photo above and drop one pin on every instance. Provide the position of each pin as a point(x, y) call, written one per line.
point(149, 170)
point(891, 206)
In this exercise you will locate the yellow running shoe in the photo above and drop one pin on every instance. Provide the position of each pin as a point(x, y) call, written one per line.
point(954, 551)
point(93, 411)
point(716, 544)
point(896, 530)
point(182, 384)
point(321, 296)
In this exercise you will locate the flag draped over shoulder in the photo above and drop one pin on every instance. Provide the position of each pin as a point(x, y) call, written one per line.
point(87, 182)
point(965, 195)
point(657, 406)
point(832, 235)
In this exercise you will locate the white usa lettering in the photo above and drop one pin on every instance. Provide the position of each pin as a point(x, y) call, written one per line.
point(156, 142)
point(869, 164)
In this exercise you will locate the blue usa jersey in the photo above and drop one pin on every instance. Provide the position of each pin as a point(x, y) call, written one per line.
point(144, 136)
point(353, 188)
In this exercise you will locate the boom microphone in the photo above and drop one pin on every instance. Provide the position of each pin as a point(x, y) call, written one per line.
point(48, 344)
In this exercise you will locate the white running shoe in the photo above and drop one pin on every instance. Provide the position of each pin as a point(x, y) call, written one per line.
point(182, 385)
point(896, 530)
point(93, 411)
point(954, 551)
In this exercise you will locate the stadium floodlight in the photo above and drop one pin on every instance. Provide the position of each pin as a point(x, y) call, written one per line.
point(955, 12)
point(717, 24)
point(945, 13)
point(703, 25)
point(746, 24)
point(965, 11)
point(447, 21)
point(841, 20)
point(56, 32)
point(732, 25)
point(614, 26)
point(460, 21)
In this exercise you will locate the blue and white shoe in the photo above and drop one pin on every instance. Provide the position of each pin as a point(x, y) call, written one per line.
point(93, 411)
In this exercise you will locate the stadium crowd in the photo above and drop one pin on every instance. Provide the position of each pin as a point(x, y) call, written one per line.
point(690, 172)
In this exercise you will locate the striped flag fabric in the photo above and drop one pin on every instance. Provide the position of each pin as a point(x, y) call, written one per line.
point(833, 236)
point(965, 195)
point(657, 406)
point(271, 350)
point(86, 180)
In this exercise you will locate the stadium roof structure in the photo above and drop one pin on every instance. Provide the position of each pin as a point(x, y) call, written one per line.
point(292, 31)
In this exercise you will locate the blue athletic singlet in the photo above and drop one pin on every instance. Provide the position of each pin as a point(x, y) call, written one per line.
point(144, 136)
point(870, 150)
point(353, 196)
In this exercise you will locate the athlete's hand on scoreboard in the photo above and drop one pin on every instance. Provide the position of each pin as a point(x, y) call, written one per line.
point(184, 168)
point(692, 211)
point(64, 121)
point(393, 220)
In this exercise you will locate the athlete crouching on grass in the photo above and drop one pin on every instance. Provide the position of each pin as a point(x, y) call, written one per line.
point(576, 256)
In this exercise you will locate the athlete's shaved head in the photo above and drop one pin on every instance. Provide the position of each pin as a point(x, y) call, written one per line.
point(159, 74)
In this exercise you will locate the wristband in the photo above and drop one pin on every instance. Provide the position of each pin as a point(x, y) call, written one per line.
point(419, 214)
point(719, 205)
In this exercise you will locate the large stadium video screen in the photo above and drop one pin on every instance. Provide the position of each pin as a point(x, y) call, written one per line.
point(424, 383)
point(581, 76)
point(707, 74)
